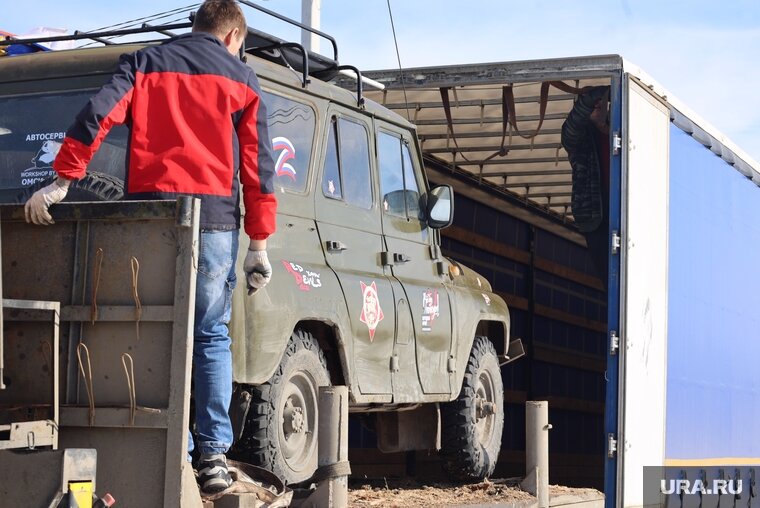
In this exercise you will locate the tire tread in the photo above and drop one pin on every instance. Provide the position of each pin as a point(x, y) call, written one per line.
point(463, 459)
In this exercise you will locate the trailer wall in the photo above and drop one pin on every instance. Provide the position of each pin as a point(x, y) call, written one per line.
point(713, 382)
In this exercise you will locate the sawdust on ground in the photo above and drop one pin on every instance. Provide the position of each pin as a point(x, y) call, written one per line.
point(408, 494)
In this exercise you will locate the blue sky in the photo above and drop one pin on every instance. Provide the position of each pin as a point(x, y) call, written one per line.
point(703, 51)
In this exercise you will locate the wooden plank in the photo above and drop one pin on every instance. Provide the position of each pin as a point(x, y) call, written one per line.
point(569, 274)
point(520, 303)
point(514, 302)
point(566, 317)
point(571, 404)
point(521, 256)
point(515, 397)
point(568, 358)
point(487, 244)
point(556, 402)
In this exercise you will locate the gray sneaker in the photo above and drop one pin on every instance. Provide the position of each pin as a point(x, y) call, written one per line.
point(213, 475)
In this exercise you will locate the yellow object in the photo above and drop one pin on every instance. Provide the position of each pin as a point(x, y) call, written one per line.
point(82, 494)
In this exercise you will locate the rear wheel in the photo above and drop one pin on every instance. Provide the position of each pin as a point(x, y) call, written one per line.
point(472, 424)
point(280, 432)
point(93, 186)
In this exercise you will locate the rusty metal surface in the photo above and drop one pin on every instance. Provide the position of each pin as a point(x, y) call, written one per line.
point(28, 486)
point(138, 444)
point(32, 331)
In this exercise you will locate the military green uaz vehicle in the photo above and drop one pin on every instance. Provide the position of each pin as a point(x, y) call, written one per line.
point(361, 294)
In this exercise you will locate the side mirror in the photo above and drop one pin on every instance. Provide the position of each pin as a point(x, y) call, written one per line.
point(440, 207)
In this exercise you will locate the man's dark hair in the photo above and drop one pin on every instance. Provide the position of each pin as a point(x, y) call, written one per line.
point(219, 17)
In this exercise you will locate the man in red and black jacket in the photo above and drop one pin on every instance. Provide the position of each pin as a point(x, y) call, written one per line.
point(195, 115)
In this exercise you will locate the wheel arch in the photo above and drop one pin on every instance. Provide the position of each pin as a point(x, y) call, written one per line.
point(332, 345)
point(251, 368)
point(497, 332)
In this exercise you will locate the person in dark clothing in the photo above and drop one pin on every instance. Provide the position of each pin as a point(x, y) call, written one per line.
point(198, 126)
point(585, 138)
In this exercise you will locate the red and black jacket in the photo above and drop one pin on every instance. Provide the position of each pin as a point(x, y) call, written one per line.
point(196, 115)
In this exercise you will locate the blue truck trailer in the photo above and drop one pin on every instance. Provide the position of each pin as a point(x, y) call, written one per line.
point(655, 368)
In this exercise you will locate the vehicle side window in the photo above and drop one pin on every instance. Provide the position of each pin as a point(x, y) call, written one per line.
point(32, 129)
point(331, 185)
point(291, 126)
point(398, 185)
point(347, 172)
point(410, 184)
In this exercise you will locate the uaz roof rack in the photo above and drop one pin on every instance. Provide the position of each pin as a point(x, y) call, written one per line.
point(258, 43)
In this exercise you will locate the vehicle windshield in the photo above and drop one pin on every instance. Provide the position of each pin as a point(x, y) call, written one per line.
point(32, 128)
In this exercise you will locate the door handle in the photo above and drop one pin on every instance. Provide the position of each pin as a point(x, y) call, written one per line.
point(393, 258)
point(333, 246)
point(400, 258)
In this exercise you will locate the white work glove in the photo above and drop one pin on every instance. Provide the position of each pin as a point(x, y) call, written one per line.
point(36, 209)
point(257, 270)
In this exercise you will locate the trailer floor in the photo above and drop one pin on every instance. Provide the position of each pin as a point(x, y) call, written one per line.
point(504, 493)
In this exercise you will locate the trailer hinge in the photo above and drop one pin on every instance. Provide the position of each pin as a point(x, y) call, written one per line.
point(614, 342)
point(615, 243)
point(451, 364)
point(394, 363)
point(611, 446)
point(617, 143)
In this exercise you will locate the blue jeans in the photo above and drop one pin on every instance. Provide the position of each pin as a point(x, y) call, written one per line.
point(212, 359)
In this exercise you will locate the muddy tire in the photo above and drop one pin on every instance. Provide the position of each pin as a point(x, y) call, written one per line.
point(472, 424)
point(280, 432)
point(93, 187)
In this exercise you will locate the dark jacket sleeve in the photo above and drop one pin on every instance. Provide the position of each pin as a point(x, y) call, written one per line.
point(574, 130)
point(109, 107)
point(256, 165)
point(578, 142)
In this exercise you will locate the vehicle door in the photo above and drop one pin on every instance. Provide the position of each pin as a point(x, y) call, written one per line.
point(349, 223)
point(411, 255)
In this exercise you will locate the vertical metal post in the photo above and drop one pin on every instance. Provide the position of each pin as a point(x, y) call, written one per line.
point(179, 476)
point(616, 290)
point(531, 332)
point(333, 443)
point(537, 451)
point(2, 338)
point(310, 16)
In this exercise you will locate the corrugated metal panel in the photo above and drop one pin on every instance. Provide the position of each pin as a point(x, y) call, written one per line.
point(535, 169)
point(478, 142)
point(529, 167)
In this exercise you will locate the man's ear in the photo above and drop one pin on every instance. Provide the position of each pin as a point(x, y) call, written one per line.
point(232, 37)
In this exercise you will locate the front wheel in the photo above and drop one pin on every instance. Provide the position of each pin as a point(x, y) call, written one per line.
point(280, 432)
point(472, 424)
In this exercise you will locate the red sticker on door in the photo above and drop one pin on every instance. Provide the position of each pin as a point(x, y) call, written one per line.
point(372, 314)
point(430, 309)
point(306, 279)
